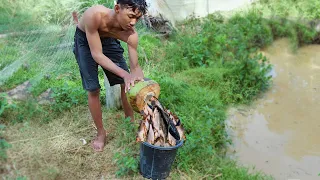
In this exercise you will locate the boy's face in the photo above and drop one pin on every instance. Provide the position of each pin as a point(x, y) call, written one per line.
point(127, 18)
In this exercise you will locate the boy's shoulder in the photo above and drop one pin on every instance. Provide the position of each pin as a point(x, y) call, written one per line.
point(96, 10)
point(97, 7)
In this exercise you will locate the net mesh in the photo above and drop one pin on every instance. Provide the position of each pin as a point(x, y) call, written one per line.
point(36, 41)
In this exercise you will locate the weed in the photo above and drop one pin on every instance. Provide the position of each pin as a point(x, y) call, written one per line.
point(67, 96)
point(126, 163)
point(24, 73)
point(306, 9)
point(4, 103)
point(126, 159)
point(24, 111)
point(4, 145)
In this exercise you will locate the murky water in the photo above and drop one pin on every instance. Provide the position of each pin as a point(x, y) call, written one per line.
point(280, 133)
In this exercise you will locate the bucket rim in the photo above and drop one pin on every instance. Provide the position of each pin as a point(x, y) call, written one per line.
point(179, 144)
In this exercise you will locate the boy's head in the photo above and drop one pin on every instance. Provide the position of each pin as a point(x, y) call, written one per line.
point(129, 12)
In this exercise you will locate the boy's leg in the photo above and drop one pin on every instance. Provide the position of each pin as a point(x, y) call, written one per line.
point(89, 75)
point(128, 112)
point(96, 113)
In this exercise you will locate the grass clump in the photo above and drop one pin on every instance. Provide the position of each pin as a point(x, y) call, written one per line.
point(230, 54)
point(4, 145)
point(127, 158)
point(212, 41)
point(304, 9)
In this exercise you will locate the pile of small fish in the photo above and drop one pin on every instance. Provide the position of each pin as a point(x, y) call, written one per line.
point(159, 126)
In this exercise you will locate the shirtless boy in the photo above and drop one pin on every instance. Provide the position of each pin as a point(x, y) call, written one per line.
point(96, 42)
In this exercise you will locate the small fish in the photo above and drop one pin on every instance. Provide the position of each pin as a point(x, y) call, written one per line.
point(145, 110)
point(150, 139)
point(141, 135)
point(178, 122)
point(162, 137)
point(161, 140)
point(147, 125)
point(161, 134)
point(144, 113)
point(172, 118)
point(166, 145)
point(158, 143)
point(156, 134)
point(181, 132)
point(156, 120)
point(171, 140)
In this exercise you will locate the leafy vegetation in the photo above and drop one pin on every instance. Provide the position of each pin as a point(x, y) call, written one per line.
point(4, 145)
point(304, 9)
point(126, 159)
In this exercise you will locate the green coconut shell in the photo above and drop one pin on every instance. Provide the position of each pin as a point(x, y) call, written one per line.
point(140, 94)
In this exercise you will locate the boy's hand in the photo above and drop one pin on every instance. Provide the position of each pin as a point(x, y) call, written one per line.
point(128, 81)
point(137, 74)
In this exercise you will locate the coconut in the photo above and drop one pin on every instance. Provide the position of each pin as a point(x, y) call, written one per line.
point(141, 93)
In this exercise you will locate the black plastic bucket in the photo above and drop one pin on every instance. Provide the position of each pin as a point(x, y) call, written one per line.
point(155, 161)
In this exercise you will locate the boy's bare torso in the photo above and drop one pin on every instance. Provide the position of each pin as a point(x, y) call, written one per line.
point(104, 29)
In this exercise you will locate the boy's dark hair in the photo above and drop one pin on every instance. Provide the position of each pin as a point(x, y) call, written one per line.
point(141, 5)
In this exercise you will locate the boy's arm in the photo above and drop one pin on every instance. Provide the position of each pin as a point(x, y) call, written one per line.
point(91, 27)
point(135, 68)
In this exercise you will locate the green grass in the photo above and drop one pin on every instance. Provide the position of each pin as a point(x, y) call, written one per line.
point(9, 55)
point(301, 9)
point(25, 73)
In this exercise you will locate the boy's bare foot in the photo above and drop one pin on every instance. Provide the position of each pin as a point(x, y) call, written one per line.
point(99, 142)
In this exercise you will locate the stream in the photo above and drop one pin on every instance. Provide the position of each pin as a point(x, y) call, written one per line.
point(279, 134)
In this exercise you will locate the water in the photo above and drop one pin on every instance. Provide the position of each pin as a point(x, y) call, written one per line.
point(280, 133)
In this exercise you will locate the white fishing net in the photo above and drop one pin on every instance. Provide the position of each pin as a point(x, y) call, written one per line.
point(37, 37)
point(176, 10)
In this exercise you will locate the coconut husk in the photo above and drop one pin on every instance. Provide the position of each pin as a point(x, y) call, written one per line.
point(141, 93)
